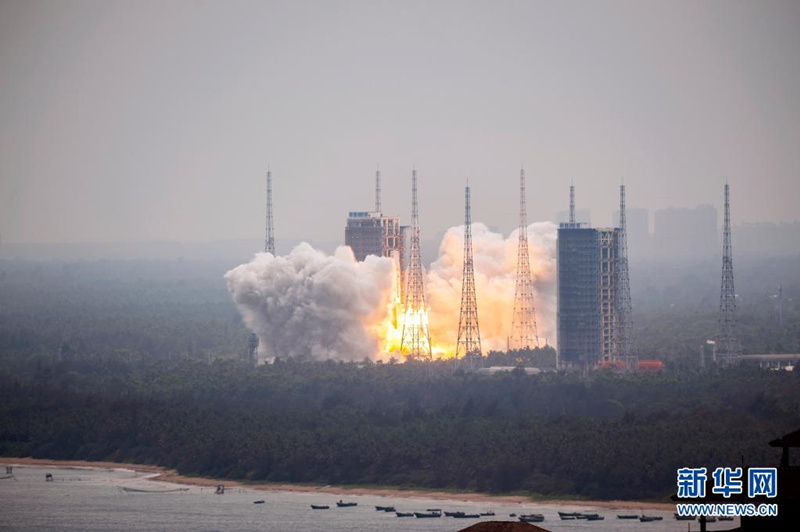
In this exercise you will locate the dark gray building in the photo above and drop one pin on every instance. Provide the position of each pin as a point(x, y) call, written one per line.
point(587, 295)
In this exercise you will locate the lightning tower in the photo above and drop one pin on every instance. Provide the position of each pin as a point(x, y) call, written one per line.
point(624, 307)
point(416, 340)
point(571, 203)
point(378, 190)
point(269, 241)
point(469, 335)
point(523, 324)
point(728, 346)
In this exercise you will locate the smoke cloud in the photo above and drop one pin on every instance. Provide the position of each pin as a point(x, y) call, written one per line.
point(495, 265)
point(309, 304)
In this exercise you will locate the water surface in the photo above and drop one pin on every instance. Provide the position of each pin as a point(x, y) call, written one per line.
point(93, 500)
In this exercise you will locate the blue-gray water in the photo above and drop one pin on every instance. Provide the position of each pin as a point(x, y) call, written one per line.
point(93, 500)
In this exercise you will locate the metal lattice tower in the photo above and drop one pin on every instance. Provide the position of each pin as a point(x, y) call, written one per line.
point(378, 190)
point(624, 307)
point(469, 335)
point(728, 346)
point(416, 340)
point(523, 323)
point(571, 203)
point(269, 241)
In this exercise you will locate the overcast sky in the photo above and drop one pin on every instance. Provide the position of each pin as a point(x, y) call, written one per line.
point(126, 121)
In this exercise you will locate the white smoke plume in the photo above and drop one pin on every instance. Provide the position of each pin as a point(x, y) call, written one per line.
point(495, 265)
point(310, 304)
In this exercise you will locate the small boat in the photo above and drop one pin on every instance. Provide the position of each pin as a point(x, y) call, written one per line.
point(451, 514)
point(384, 508)
point(462, 515)
point(628, 516)
point(594, 517)
point(137, 490)
point(258, 502)
point(568, 515)
point(319, 506)
point(487, 514)
point(342, 504)
point(531, 518)
point(512, 515)
point(425, 515)
point(434, 510)
point(679, 517)
point(404, 514)
point(650, 518)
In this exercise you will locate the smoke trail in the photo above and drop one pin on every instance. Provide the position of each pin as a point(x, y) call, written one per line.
point(495, 261)
point(308, 304)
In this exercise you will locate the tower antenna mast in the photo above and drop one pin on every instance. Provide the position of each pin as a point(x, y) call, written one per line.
point(416, 340)
point(469, 336)
point(269, 241)
point(378, 190)
point(524, 334)
point(728, 346)
point(625, 308)
point(571, 203)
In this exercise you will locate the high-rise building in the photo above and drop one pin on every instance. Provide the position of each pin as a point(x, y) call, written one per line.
point(588, 278)
point(587, 295)
point(374, 233)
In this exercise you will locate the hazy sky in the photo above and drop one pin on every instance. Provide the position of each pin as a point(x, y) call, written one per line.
point(156, 120)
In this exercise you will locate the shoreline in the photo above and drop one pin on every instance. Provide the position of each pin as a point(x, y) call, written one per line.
point(162, 474)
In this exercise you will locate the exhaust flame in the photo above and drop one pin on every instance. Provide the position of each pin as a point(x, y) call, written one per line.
point(308, 304)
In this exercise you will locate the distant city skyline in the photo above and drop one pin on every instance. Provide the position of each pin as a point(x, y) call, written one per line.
point(152, 121)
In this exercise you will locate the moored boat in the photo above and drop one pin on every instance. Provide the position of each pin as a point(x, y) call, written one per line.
point(531, 518)
point(486, 514)
point(595, 517)
point(679, 517)
point(319, 506)
point(384, 508)
point(628, 516)
point(404, 514)
point(425, 515)
point(650, 518)
point(342, 504)
point(462, 515)
point(259, 502)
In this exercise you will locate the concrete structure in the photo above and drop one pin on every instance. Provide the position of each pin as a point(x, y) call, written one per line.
point(588, 305)
point(372, 233)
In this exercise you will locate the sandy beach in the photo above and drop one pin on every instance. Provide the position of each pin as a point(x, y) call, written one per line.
point(167, 475)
